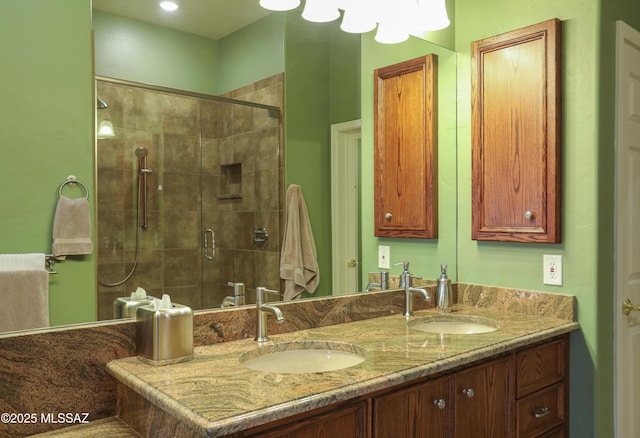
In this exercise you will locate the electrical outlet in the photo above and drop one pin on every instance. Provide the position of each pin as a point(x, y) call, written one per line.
point(384, 257)
point(552, 269)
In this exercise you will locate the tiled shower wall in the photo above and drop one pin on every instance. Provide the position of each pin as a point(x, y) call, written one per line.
point(215, 165)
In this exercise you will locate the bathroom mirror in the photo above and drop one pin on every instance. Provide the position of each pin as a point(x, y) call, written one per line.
point(306, 94)
point(249, 268)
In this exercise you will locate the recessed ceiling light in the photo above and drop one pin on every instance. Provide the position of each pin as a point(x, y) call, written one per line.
point(169, 6)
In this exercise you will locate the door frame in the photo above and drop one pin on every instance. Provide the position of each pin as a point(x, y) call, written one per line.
point(345, 206)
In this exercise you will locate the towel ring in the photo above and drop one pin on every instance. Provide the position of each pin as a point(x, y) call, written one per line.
point(73, 181)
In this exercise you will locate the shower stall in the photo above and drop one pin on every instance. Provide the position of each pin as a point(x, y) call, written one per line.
point(189, 192)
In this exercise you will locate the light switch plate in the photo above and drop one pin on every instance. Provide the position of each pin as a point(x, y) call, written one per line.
point(552, 269)
point(384, 257)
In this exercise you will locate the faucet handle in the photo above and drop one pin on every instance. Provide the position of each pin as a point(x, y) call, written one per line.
point(261, 292)
point(405, 265)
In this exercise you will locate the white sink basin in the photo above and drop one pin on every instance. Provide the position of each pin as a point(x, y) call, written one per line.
point(303, 357)
point(455, 324)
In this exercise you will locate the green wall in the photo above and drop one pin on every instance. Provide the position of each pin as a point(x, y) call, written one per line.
point(46, 134)
point(142, 52)
point(252, 53)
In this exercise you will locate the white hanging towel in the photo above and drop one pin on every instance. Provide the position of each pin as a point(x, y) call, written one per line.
point(298, 260)
point(21, 262)
point(24, 290)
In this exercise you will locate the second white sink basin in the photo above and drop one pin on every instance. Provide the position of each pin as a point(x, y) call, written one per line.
point(303, 357)
point(455, 324)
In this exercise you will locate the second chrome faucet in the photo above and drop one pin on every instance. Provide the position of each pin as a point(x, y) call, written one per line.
point(263, 308)
point(405, 281)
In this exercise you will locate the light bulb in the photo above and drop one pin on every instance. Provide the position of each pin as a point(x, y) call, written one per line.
point(432, 15)
point(105, 130)
point(320, 11)
point(357, 18)
point(279, 5)
point(169, 6)
point(391, 33)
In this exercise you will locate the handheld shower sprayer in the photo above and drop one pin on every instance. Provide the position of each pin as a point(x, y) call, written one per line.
point(143, 170)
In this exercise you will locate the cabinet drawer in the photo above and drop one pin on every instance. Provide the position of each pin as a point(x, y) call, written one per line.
point(540, 412)
point(539, 367)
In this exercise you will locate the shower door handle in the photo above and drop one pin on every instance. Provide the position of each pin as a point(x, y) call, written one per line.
point(209, 232)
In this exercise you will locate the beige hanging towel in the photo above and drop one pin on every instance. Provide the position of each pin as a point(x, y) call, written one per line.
point(72, 228)
point(24, 290)
point(298, 260)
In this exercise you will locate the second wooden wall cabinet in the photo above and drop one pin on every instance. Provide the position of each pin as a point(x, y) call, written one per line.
point(405, 153)
point(516, 128)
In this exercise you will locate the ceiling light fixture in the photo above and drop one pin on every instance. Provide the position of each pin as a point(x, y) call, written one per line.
point(395, 19)
point(169, 6)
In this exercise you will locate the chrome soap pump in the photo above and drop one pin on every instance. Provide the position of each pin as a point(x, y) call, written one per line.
point(444, 293)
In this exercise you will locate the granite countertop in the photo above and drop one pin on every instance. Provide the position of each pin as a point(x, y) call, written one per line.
point(216, 395)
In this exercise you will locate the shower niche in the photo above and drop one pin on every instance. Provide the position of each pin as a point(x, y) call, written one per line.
point(205, 184)
point(230, 181)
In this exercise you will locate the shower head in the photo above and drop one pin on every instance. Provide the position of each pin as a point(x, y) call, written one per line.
point(101, 103)
point(141, 152)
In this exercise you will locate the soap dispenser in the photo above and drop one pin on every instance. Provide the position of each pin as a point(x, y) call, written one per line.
point(444, 293)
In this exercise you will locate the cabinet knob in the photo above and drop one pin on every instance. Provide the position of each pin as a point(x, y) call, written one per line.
point(469, 392)
point(440, 403)
point(388, 216)
point(529, 215)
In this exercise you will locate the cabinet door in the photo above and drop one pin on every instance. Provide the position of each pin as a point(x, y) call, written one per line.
point(423, 410)
point(405, 153)
point(346, 422)
point(516, 130)
point(484, 400)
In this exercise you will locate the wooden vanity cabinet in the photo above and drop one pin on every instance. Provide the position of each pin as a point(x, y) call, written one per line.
point(522, 394)
point(484, 400)
point(516, 130)
point(476, 401)
point(405, 151)
point(420, 411)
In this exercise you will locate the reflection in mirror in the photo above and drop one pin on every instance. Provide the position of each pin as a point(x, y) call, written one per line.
point(322, 80)
point(189, 193)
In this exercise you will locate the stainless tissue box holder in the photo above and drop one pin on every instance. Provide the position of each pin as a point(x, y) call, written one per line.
point(164, 336)
point(125, 307)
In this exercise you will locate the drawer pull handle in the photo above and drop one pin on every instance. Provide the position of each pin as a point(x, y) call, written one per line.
point(539, 413)
point(388, 216)
point(469, 392)
point(440, 403)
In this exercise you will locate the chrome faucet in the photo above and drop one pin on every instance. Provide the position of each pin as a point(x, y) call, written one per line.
point(405, 281)
point(238, 295)
point(384, 281)
point(263, 308)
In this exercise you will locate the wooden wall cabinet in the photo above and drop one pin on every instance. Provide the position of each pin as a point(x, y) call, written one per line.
point(405, 152)
point(516, 132)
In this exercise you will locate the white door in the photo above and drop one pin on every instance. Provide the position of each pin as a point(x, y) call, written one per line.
point(627, 240)
point(345, 211)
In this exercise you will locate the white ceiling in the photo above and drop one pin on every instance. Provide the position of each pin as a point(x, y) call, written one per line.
point(209, 18)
